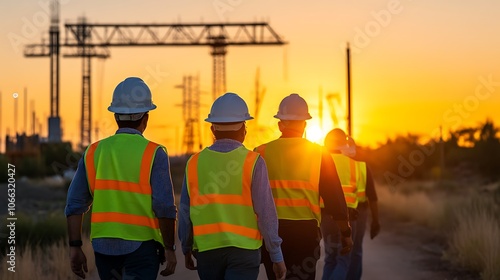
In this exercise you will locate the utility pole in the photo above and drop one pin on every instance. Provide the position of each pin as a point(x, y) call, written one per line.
point(349, 105)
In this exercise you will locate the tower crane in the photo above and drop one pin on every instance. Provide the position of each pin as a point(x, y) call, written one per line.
point(93, 39)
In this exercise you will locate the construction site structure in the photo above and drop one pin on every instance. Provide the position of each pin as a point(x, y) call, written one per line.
point(349, 105)
point(52, 51)
point(191, 114)
point(92, 40)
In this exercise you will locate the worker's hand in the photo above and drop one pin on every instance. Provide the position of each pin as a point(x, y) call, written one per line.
point(78, 261)
point(374, 229)
point(188, 261)
point(279, 270)
point(346, 245)
point(171, 263)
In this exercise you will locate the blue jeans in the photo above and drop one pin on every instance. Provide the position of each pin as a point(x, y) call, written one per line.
point(356, 265)
point(336, 265)
point(228, 263)
point(143, 263)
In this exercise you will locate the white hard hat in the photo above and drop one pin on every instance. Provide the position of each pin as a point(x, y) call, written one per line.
point(131, 96)
point(228, 108)
point(293, 108)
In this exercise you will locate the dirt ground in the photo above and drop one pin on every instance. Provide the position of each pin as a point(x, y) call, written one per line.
point(403, 250)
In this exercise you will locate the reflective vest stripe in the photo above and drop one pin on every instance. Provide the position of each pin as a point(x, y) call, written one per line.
point(281, 184)
point(244, 199)
point(261, 150)
point(90, 167)
point(113, 217)
point(347, 169)
point(221, 208)
point(143, 186)
point(361, 194)
point(294, 168)
point(147, 163)
point(118, 170)
point(225, 227)
point(101, 184)
point(290, 202)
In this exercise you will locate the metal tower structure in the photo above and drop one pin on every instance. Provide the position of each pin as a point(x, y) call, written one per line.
point(52, 51)
point(349, 105)
point(86, 52)
point(218, 36)
point(191, 114)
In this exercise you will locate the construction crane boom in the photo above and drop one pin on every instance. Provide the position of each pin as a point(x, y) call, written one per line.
point(186, 34)
point(89, 39)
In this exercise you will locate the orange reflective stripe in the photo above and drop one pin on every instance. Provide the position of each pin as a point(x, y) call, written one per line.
point(250, 160)
point(101, 184)
point(110, 217)
point(245, 198)
point(225, 227)
point(349, 189)
point(350, 199)
point(290, 184)
point(147, 160)
point(289, 202)
point(361, 194)
point(192, 172)
point(89, 158)
point(261, 150)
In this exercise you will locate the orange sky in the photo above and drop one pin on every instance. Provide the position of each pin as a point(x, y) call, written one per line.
point(416, 65)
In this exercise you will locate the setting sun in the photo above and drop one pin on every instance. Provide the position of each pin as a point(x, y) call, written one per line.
point(314, 133)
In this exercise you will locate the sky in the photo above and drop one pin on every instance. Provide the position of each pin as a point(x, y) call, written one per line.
point(416, 65)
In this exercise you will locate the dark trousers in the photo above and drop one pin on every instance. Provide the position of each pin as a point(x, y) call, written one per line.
point(228, 263)
point(143, 263)
point(300, 248)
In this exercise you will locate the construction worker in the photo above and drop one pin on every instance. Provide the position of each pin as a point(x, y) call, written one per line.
point(126, 179)
point(354, 177)
point(300, 172)
point(226, 205)
point(367, 198)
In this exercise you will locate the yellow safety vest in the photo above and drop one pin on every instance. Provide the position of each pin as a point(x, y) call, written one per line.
point(347, 170)
point(118, 172)
point(361, 186)
point(221, 207)
point(294, 166)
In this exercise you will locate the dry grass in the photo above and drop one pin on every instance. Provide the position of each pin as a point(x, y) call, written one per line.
point(468, 219)
point(49, 263)
point(475, 241)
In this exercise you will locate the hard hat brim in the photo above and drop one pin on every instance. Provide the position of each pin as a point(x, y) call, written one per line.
point(123, 110)
point(292, 117)
point(227, 119)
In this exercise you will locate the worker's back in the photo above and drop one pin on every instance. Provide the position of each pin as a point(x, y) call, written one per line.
point(294, 165)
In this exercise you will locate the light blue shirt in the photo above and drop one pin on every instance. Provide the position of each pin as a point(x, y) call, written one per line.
point(79, 199)
point(263, 204)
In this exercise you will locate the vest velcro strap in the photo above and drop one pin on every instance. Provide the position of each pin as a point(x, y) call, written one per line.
point(225, 227)
point(121, 186)
point(110, 217)
point(297, 203)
